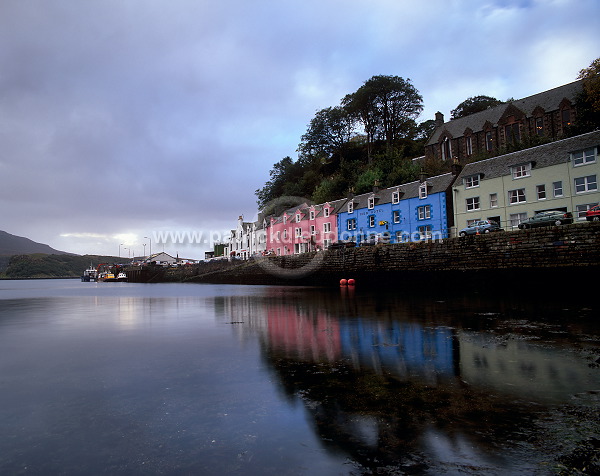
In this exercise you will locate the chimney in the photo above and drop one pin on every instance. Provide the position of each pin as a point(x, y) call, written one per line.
point(439, 119)
point(455, 167)
point(422, 176)
point(376, 186)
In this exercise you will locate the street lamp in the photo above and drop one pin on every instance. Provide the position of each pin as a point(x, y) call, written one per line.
point(150, 253)
point(144, 249)
point(120, 244)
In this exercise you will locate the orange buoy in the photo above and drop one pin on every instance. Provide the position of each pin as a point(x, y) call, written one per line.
point(351, 282)
point(343, 282)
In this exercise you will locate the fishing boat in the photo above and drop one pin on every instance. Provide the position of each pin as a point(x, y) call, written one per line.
point(122, 277)
point(89, 275)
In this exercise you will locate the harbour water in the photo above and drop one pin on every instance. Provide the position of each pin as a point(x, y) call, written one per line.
point(123, 378)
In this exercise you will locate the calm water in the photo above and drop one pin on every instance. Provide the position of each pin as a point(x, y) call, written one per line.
point(119, 378)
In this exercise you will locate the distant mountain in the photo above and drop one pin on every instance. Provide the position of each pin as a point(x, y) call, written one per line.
point(18, 245)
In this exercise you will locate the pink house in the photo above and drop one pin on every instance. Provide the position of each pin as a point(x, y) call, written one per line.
point(302, 229)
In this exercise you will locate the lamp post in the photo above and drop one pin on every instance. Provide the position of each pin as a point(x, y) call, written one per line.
point(144, 249)
point(150, 252)
point(120, 244)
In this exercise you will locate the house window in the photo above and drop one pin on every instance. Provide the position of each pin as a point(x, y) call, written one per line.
point(395, 197)
point(297, 217)
point(326, 212)
point(520, 171)
point(446, 149)
point(371, 203)
point(516, 218)
point(298, 232)
point(423, 190)
point(284, 219)
point(327, 227)
point(557, 189)
point(541, 192)
point(285, 234)
point(351, 224)
point(493, 200)
point(539, 126)
point(586, 184)
point(472, 204)
point(489, 141)
point(516, 196)
point(278, 236)
point(312, 214)
point(566, 117)
point(472, 221)
point(350, 207)
point(581, 209)
point(396, 216)
point(582, 157)
point(468, 146)
point(472, 181)
point(371, 221)
point(512, 133)
point(424, 212)
point(313, 231)
point(425, 232)
point(399, 237)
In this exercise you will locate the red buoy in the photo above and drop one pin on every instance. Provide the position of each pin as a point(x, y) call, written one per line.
point(351, 282)
point(343, 282)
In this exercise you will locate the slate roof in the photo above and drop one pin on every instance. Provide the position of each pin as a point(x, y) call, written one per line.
point(439, 183)
point(547, 100)
point(545, 155)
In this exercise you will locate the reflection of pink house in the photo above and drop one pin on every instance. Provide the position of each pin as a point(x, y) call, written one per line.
point(302, 229)
point(311, 337)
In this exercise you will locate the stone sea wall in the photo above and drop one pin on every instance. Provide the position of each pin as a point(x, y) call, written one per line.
point(517, 257)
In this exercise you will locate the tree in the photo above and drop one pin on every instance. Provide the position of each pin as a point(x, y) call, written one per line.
point(328, 133)
point(472, 105)
point(591, 83)
point(587, 101)
point(387, 106)
point(280, 174)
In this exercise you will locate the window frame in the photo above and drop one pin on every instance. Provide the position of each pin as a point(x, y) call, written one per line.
point(472, 181)
point(556, 186)
point(540, 192)
point(494, 200)
point(424, 212)
point(586, 184)
point(518, 192)
point(578, 162)
point(521, 171)
point(472, 204)
point(371, 219)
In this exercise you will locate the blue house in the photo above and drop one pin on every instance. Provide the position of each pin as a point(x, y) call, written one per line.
point(415, 211)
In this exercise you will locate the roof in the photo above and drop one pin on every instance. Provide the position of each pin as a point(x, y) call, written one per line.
point(436, 184)
point(546, 155)
point(548, 100)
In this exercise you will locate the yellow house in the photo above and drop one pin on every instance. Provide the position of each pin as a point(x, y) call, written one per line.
point(561, 175)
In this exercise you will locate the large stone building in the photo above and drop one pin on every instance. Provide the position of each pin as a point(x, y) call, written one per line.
point(534, 119)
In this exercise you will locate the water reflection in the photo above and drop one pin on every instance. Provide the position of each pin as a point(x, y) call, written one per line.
point(408, 385)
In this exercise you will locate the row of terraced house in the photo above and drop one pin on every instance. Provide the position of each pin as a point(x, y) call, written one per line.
point(558, 175)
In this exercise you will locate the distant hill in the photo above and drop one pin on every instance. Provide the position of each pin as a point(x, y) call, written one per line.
point(18, 245)
point(38, 265)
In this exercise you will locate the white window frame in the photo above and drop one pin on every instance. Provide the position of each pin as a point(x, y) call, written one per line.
point(395, 197)
point(327, 227)
point(472, 181)
point(298, 232)
point(423, 190)
point(515, 218)
point(313, 230)
point(298, 217)
point(517, 194)
point(468, 145)
point(581, 209)
point(312, 215)
point(472, 204)
point(583, 157)
point(586, 184)
point(425, 232)
point(326, 212)
point(396, 216)
point(350, 207)
point(540, 191)
point(493, 200)
point(371, 202)
point(521, 171)
point(371, 221)
point(424, 212)
point(351, 224)
point(557, 189)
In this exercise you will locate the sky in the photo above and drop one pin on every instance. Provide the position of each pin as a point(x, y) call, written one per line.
point(125, 120)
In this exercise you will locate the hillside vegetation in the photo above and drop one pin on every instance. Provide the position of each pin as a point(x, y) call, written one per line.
point(41, 265)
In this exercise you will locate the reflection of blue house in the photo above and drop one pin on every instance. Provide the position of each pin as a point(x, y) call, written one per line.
point(402, 349)
point(410, 212)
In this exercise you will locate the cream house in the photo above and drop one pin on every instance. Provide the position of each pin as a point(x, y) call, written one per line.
point(561, 175)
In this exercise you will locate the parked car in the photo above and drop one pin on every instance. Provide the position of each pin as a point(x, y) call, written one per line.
point(549, 218)
point(593, 214)
point(481, 226)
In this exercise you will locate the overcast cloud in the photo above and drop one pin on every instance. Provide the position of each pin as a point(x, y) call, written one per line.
point(119, 118)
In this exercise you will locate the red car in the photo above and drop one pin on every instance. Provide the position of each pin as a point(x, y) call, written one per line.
point(593, 214)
